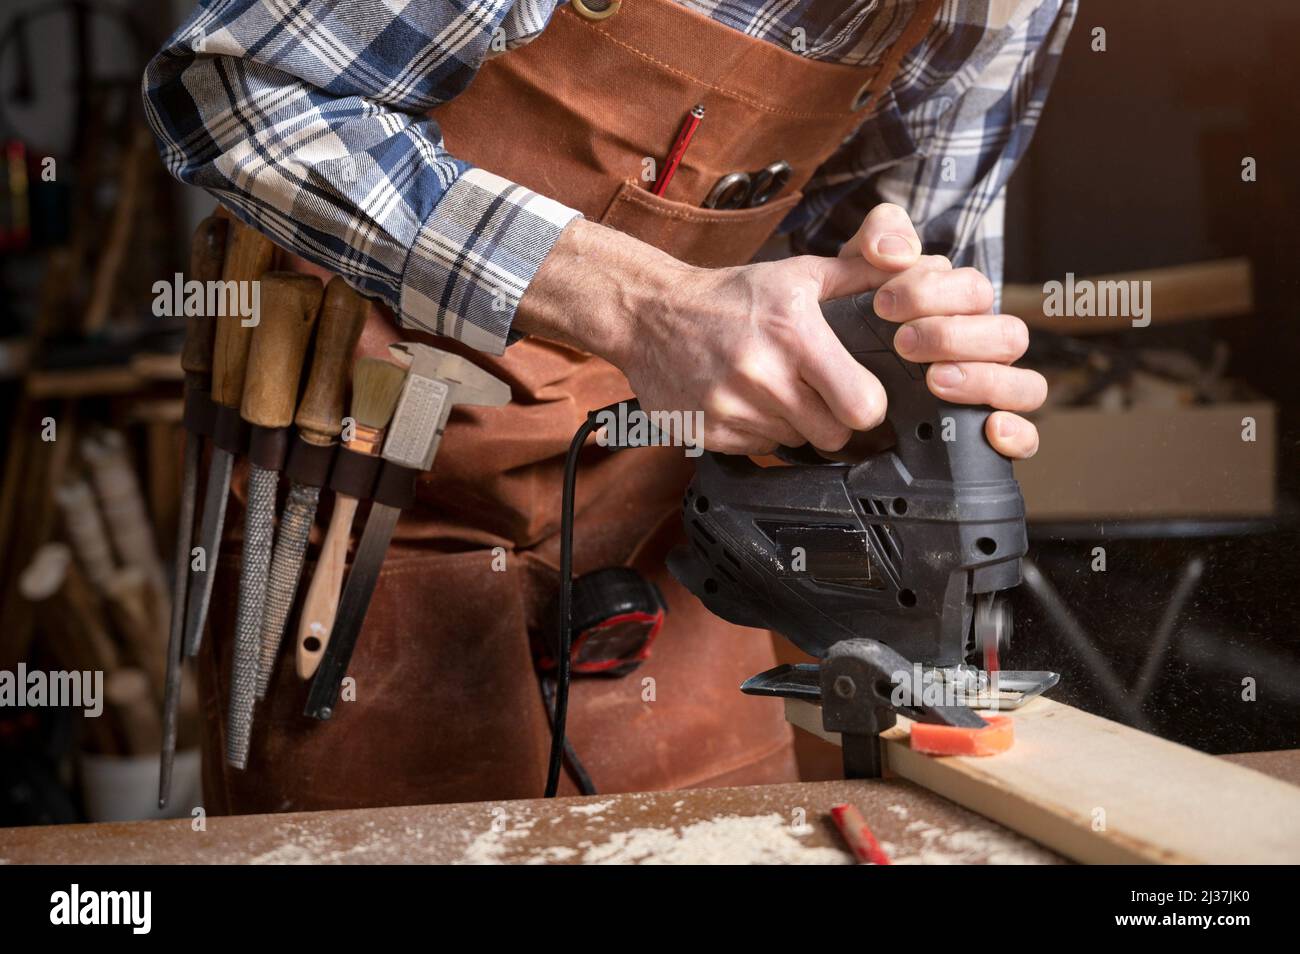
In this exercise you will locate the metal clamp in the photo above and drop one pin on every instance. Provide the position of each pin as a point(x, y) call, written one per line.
point(854, 685)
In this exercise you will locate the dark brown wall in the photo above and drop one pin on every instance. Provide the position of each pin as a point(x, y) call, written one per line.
point(1137, 163)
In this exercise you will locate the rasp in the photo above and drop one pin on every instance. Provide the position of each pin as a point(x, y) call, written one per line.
point(206, 256)
point(290, 302)
point(248, 255)
point(319, 421)
point(435, 382)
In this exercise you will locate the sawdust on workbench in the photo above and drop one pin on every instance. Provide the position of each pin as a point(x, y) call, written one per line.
point(301, 843)
point(729, 839)
point(765, 825)
point(738, 837)
point(964, 846)
point(305, 846)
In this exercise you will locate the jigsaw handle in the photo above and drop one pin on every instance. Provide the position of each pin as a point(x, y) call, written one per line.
point(936, 440)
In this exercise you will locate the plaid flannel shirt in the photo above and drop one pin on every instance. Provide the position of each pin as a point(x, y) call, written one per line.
point(307, 119)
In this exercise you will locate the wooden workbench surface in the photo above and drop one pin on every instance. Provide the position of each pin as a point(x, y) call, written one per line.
point(765, 824)
point(762, 824)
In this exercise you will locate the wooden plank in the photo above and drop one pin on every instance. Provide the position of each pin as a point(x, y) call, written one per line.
point(138, 376)
point(1282, 764)
point(762, 824)
point(1103, 793)
point(1218, 289)
point(73, 383)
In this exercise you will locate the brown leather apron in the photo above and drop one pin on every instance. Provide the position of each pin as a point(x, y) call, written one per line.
point(447, 702)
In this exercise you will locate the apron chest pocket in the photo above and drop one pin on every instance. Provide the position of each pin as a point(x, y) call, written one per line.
point(709, 238)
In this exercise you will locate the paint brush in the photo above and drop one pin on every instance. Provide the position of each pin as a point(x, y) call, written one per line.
point(376, 386)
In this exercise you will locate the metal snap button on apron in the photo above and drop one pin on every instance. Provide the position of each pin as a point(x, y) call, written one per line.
point(595, 9)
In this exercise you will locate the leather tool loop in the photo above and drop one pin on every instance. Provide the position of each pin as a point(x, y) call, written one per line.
point(268, 446)
point(354, 474)
point(230, 431)
point(310, 464)
point(396, 485)
point(200, 415)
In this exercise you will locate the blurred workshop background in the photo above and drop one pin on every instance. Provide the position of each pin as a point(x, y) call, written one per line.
point(1163, 579)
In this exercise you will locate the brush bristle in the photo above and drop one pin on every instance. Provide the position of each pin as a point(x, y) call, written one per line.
point(376, 386)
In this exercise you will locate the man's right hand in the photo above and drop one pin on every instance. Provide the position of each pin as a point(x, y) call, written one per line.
point(748, 345)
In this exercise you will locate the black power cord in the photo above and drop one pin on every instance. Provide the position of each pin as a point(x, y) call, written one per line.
point(577, 771)
point(564, 639)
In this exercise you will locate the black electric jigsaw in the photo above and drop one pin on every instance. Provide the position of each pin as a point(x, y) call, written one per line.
point(889, 569)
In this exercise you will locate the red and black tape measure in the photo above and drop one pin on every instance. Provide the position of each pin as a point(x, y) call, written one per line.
point(617, 613)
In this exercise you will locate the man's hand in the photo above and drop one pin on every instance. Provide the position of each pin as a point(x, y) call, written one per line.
point(750, 348)
point(947, 321)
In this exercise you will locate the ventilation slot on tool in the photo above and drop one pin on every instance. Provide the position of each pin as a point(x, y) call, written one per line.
point(889, 553)
point(699, 528)
point(883, 533)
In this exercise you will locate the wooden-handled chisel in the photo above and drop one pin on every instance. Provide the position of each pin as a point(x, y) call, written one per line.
point(319, 421)
point(290, 302)
point(207, 254)
point(435, 382)
point(248, 255)
point(376, 386)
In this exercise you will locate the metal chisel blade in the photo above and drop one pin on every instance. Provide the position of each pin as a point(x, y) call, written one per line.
point(176, 638)
point(352, 610)
point(214, 519)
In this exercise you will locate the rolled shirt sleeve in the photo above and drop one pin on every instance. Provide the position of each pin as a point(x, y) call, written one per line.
point(307, 120)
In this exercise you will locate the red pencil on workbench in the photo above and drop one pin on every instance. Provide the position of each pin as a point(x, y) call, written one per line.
point(678, 150)
point(861, 841)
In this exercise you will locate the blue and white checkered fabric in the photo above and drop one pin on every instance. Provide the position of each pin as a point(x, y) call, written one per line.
point(306, 118)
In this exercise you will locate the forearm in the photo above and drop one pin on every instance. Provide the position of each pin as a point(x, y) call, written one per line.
point(594, 286)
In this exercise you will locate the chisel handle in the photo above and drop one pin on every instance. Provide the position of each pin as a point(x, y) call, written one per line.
point(207, 255)
point(322, 601)
point(248, 255)
point(290, 302)
point(343, 315)
point(320, 421)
